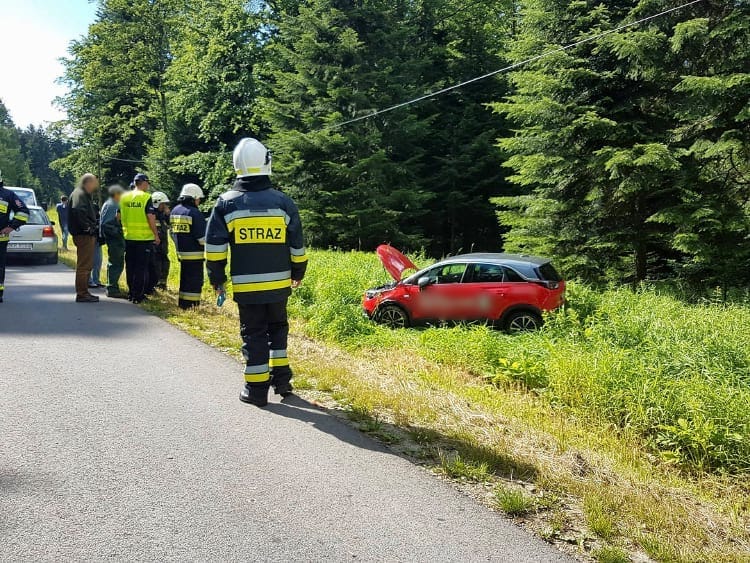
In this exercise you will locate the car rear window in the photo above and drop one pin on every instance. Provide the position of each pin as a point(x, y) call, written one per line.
point(37, 217)
point(26, 197)
point(549, 273)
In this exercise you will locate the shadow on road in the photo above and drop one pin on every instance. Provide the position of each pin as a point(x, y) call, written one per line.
point(297, 408)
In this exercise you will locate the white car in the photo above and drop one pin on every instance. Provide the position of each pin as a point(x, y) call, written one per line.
point(27, 195)
point(36, 239)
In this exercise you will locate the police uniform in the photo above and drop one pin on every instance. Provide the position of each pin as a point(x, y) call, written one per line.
point(189, 232)
point(263, 229)
point(9, 203)
point(135, 207)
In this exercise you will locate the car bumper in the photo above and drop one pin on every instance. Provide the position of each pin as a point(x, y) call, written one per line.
point(33, 248)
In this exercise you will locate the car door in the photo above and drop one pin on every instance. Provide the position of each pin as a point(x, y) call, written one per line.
point(441, 299)
point(489, 285)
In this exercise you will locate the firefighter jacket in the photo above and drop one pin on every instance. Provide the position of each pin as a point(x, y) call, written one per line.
point(263, 228)
point(162, 226)
point(11, 203)
point(188, 230)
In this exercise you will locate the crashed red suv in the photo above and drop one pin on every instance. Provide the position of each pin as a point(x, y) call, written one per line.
point(510, 291)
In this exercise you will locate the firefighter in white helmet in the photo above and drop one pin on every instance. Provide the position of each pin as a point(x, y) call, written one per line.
point(160, 256)
point(263, 228)
point(189, 233)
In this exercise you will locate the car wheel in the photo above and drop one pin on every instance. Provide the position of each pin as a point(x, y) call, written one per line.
point(392, 316)
point(523, 321)
point(53, 259)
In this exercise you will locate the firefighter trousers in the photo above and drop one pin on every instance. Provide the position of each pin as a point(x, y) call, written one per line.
point(264, 330)
point(137, 266)
point(191, 283)
point(3, 258)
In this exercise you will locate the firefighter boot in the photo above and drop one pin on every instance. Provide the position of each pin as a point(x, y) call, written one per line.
point(255, 395)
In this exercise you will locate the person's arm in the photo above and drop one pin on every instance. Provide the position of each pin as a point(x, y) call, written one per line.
point(151, 216)
point(20, 212)
point(217, 247)
point(199, 227)
point(296, 240)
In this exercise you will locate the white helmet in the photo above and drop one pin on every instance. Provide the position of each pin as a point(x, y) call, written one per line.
point(252, 158)
point(192, 190)
point(159, 197)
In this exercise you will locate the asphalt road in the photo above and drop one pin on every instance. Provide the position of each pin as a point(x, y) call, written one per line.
point(121, 438)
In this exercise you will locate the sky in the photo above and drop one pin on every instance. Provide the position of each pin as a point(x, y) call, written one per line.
point(34, 35)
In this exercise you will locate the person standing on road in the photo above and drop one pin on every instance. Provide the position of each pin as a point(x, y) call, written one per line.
point(189, 232)
point(138, 218)
point(62, 219)
point(84, 226)
point(110, 229)
point(9, 203)
point(161, 254)
point(264, 230)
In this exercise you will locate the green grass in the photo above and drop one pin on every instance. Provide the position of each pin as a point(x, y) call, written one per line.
point(513, 501)
point(611, 555)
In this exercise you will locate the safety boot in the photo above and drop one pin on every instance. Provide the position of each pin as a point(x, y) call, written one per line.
point(284, 389)
point(257, 396)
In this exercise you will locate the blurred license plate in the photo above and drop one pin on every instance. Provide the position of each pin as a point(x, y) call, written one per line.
point(20, 246)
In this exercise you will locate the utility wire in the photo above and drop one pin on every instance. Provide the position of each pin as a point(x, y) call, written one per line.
point(507, 68)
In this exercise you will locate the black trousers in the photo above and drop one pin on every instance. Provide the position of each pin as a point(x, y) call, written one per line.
point(265, 330)
point(191, 283)
point(137, 268)
point(3, 259)
point(161, 266)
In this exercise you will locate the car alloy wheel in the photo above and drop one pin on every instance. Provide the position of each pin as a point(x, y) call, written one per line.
point(524, 322)
point(393, 317)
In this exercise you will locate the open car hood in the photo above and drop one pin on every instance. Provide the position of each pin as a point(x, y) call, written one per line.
point(394, 262)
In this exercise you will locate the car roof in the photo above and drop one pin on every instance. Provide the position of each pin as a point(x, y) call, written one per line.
point(499, 258)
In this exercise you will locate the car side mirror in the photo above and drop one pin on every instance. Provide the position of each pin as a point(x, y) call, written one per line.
point(424, 282)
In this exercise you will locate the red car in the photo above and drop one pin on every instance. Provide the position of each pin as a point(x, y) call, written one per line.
point(510, 291)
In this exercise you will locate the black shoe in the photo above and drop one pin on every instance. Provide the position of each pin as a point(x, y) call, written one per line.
point(116, 295)
point(257, 396)
point(87, 299)
point(284, 389)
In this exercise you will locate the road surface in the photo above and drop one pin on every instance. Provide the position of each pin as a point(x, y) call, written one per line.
point(123, 439)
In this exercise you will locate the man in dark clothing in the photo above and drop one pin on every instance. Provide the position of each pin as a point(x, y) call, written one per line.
point(161, 251)
point(263, 227)
point(9, 203)
point(110, 230)
point(62, 219)
point(84, 226)
point(189, 232)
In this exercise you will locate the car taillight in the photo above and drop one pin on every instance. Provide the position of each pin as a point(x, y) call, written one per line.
point(48, 232)
point(549, 284)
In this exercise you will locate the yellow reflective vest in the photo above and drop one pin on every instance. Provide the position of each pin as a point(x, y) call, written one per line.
point(135, 206)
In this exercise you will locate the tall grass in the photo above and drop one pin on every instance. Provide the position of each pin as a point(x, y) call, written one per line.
point(676, 373)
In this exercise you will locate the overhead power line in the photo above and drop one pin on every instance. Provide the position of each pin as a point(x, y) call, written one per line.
point(513, 66)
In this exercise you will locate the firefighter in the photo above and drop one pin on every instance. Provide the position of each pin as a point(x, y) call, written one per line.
point(189, 232)
point(263, 228)
point(138, 218)
point(9, 203)
point(161, 255)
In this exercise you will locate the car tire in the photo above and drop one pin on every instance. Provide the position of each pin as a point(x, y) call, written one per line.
point(522, 321)
point(53, 259)
point(392, 316)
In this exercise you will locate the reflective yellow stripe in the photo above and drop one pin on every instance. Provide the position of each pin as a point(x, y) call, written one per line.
point(190, 296)
point(181, 219)
point(20, 216)
point(261, 286)
point(217, 256)
point(4, 238)
point(278, 362)
point(190, 256)
point(257, 377)
point(299, 259)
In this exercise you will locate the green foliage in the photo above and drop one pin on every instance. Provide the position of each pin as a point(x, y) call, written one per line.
point(645, 362)
point(630, 153)
point(514, 501)
point(608, 554)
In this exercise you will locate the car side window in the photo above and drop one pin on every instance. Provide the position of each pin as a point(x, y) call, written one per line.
point(487, 273)
point(511, 276)
point(449, 273)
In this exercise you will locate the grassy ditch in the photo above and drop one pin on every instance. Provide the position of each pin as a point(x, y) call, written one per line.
point(622, 429)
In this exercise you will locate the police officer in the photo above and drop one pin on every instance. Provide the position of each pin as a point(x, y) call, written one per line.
point(138, 218)
point(189, 232)
point(161, 251)
point(9, 203)
point(263, 228)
